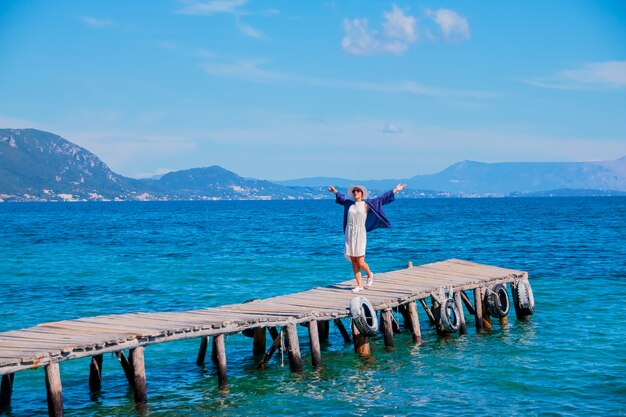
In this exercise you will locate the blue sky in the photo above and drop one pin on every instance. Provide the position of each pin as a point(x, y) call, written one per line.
point(290, 89)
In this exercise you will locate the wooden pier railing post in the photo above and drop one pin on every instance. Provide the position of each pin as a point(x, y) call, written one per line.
point(459, 304)
point(316, 354)
point(478, 309)
point(220, 357)
point(6, 390)
point(204, 343)
point(293, 347)
point(54, 390)
point(342, 329)
point(387, 328)
point(258, 345)
point(361, 343)
point(95, 373)
point(139, 374)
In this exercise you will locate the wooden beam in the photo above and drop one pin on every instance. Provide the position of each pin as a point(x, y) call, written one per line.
point(139, 374)
point(95, 373)
point(342, 329)
point(127, 367)
point(459, 304)
point(431, 316)
point(316, 354)
point(293, 347)
point(204, 343)
point(486, 317)
point(411, 320)
point(54, 390)
point(361, 343)
point(387, 328)
point(220, 355)
point(478, 303)
point(258, 345)
point(436, 308)
point(6, 390)
point(468, 303)
point(273, 332)
point(323, 329)
point(272, 349)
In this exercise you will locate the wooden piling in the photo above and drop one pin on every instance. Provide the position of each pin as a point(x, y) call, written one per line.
point(323, 329)
point(342, 329)
point(54, 390)
point(431, 316)
point(361, 343)
point(293, 347)
point(139, 374)
point(6, 390)
point(387, 328)
point(436, 309)
point(468, 303)
point(220, 359)
point(478, 309)
point(258, 345)
point(486, 317)
point(204, 343)
point(95, 373)
point(316, 354)
point(126, 366)
point(411, 320)
point(459, 304)
point(272, 349)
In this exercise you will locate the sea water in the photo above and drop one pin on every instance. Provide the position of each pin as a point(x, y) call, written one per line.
point(63, 261)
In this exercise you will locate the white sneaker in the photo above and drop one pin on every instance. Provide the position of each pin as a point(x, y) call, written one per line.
point(357, 289)
point(370, 281)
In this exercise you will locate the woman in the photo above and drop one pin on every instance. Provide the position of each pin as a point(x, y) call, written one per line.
point(359, 217)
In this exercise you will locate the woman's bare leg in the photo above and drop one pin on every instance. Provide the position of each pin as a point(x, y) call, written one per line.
point(364, 266)
point(357, 271)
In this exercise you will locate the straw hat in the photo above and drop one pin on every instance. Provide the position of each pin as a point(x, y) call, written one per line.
point(366, 194)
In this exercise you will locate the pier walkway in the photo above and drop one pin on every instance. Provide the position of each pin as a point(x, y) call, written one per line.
point(49, 344)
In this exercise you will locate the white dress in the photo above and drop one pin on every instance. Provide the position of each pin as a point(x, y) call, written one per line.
point(355, 236)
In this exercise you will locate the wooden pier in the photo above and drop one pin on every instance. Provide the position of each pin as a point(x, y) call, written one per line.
point(49, 344)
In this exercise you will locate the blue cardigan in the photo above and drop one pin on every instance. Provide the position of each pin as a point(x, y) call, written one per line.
point(375, 215)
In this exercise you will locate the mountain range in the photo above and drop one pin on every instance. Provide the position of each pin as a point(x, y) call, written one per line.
point(41, 166)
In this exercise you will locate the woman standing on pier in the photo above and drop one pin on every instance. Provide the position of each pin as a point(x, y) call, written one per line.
point(359, 217)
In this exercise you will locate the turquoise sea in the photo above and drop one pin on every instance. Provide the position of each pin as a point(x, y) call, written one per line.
point(62, 261)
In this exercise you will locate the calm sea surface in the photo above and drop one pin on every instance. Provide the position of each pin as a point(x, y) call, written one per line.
point(64, 261)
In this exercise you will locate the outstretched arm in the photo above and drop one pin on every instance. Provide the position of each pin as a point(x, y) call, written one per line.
point(339, 198)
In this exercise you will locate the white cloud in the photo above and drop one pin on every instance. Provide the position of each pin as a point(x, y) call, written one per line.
point(400, 30)
point(250, 31)
point(253, 71)
point(453, 26)
point(591, 76)
point(195, 7)
point(96, 22)
point(391, 128)
point(159, 172)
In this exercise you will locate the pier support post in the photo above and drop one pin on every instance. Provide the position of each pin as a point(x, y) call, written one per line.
point(411, 320)
point(486, 317)
point(258, 345)
point(139, 374)
point(468, 304)
point(478, 309)
point(220, 357)
point(316, 354)
point(126, 366)
point(276, 336)
point(344, 332)
point(459, 304)
point(204, 343)
point(293, 347)
point(387, 328)
point(54, 390)
point(95, 373)
point(6, 390)
point(436, 308)
point(431, 317)
point(323, 329)
point(361, 343)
